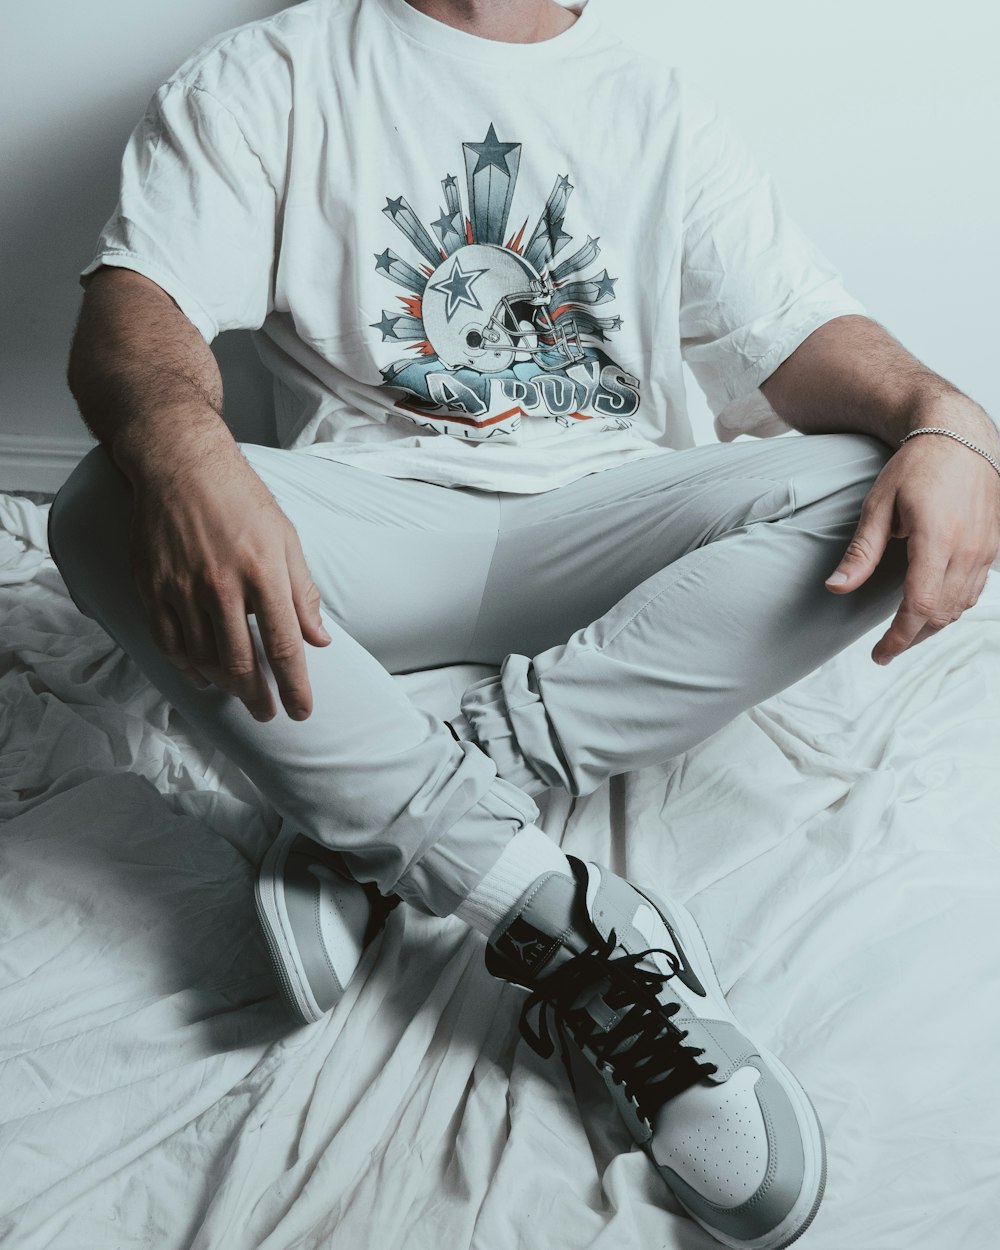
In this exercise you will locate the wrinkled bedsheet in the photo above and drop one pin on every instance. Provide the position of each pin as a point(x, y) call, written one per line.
point(840, 846)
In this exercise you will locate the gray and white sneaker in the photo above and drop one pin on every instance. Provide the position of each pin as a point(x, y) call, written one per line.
point(627, 976)
point(317, 921)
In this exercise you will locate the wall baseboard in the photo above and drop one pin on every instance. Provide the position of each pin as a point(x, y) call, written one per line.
point(38, 461)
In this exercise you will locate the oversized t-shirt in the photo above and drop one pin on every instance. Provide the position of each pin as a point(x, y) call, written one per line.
point(465, 261)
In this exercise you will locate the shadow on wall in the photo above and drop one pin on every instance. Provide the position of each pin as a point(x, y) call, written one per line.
point(60, 186)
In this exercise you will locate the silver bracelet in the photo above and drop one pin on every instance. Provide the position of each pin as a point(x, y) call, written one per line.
point(938, 429)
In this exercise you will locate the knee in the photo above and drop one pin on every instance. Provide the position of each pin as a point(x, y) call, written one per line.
point(855, 458)
point(90, 509)
point(839, 473)
point(863, 456)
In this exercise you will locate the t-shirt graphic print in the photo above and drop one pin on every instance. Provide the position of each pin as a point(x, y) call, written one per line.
point(500, 323)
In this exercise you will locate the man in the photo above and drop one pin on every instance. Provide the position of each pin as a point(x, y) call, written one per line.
point(478, 240)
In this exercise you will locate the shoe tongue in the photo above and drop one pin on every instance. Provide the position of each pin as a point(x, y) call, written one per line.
point(549, 925)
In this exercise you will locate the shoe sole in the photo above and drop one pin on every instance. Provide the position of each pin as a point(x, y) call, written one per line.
point(275, 923)
point(810, 1196)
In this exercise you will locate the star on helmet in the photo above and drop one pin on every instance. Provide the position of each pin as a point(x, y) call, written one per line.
point(457, 286)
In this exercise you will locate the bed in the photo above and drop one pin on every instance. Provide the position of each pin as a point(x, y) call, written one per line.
point(839, 845)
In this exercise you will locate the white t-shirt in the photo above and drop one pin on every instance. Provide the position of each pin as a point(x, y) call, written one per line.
point(468, 262)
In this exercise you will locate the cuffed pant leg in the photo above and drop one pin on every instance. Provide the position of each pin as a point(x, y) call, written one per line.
point(739, 615)
point(368, 774)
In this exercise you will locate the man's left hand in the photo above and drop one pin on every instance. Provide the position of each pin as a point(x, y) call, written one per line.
point(944, 499)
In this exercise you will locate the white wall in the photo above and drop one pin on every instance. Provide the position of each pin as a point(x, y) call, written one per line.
point(878, 119)
point(77, 77)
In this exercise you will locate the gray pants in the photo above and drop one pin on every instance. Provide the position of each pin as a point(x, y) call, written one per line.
point(631, 613)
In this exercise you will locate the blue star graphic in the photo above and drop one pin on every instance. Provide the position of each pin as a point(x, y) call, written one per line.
point(445, 224)
point(605, 286)
point(387, 325)
point(492, 152)
point(458, 287)
point(557, 235)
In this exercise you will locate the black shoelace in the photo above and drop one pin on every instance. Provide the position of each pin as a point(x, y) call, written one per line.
point(381, 906)
point(646, 1052)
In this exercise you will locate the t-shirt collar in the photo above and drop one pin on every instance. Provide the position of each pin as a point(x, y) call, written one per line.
point(444, 38)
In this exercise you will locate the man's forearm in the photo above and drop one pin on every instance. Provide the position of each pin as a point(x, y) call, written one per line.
point(852, 375)
point(146, 382)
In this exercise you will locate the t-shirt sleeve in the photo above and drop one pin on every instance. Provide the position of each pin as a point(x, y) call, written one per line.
point(753, 287)
point(196, 213)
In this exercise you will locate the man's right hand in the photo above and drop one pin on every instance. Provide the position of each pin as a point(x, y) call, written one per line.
point(209, 546)
point(208, 543)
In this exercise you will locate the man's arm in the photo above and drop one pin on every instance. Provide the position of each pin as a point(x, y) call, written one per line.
point(943, 498)
point(208, 542)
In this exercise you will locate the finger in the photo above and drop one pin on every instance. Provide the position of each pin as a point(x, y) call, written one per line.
point(922, 602)
point(866, 548)
point(306, 598)
point(928, 631)
point(238, 660)
point(281, 636)
point(979, 585)
point(974, 586)
point(168, 636)
point(958, 589)
point(198, 634)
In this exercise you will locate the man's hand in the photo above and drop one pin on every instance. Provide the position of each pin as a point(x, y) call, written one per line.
point(208, 543)
point(945, 501)
point(208, 548)
point(852, 375)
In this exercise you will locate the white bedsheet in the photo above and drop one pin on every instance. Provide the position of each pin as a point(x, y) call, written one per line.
point(840, 846)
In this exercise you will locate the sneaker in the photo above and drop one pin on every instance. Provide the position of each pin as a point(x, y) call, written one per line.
point(317, 921)
point(627, 976)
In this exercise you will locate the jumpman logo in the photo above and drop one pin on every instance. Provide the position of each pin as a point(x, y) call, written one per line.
point(530, 946)
point(528, 949)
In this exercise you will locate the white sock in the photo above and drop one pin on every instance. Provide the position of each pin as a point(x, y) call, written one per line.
point(528, 855)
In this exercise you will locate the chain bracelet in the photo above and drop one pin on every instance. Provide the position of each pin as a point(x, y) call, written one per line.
point(938, 429)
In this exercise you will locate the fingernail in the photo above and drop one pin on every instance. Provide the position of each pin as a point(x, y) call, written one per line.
point(836, 579)
point(324, 635)
point(299, 713)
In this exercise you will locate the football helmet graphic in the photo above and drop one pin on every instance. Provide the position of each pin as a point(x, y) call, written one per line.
point(485, 308)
